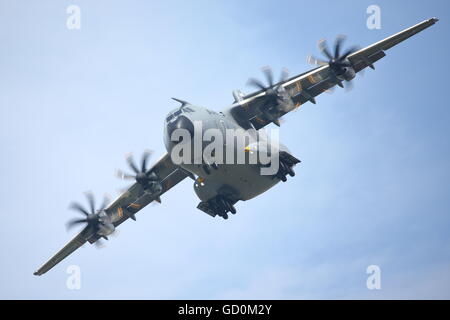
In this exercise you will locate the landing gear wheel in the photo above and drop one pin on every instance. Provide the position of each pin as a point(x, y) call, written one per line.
point(222, 205)
point(285, 168)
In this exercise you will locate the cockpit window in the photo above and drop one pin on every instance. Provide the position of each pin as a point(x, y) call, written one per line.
point(178, 112)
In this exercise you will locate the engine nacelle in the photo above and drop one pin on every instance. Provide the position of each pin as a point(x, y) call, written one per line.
point(105, 225)
point(348, 74)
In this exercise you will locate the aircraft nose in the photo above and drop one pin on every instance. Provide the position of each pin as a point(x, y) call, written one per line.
point(181, 122)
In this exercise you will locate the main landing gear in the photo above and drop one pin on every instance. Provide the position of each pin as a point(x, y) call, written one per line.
point(287, 161)
point(219, 205)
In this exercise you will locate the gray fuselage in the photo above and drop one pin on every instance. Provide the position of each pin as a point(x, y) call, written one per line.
point(236, 181)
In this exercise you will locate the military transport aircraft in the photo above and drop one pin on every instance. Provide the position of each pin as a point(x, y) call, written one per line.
point(219, 187)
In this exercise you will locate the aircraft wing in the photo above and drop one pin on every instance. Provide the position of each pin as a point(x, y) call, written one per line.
point(125, 206)
point(70, 247)
point(306, 86)
point(136, 198)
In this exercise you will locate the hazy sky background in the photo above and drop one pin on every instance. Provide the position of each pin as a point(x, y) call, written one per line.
point(372, 188)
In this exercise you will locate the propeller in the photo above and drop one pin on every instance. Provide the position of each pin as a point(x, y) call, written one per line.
point(275, 94)
point(337, 60)
point(141, 174)
point(92, 217)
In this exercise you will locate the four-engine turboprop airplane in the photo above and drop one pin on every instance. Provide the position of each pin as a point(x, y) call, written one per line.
point(221, 185)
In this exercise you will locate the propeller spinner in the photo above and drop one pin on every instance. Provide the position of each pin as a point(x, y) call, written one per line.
point(338, 62)
point(142, 175)
point(275, 93)
point(96, 219)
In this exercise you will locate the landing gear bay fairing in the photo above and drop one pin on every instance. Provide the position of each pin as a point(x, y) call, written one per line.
point(220, 186)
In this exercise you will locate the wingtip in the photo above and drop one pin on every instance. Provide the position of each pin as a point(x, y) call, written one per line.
point(36, 273)
point(434, 19)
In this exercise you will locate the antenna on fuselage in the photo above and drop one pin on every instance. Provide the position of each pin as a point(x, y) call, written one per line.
point(183, 103)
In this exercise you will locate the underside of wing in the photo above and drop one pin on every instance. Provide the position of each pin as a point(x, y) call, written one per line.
point(137, 196)
point(164, 175)
point(70, 247)
point(270, 103)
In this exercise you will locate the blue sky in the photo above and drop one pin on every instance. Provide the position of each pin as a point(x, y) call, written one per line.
point(372, 188)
